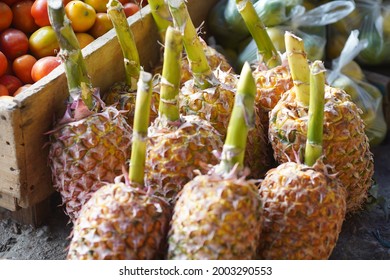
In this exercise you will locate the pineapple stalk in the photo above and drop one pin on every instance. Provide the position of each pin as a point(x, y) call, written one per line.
point(241, 121)
point(75, 68)
point(313, 149)
point(299, 66)
point(126, 40)
point(161, 16)
point(170, 82)
point(256, 27)
point(203, 75)
point(140, 128)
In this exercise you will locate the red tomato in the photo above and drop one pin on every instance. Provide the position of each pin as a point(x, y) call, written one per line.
point(130, 9)
point(3, 91)
point(13, 43)
point(39, 13)
point(6, 16)
point(11, 83)
point(22, 66)
point(3, 64)
point(10, 2)
point(23, 19)
point(44, 66)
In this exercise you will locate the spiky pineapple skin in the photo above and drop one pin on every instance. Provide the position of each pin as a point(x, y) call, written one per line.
point(216, 218)
point(345, 144)
point(304, 210)
point(124, 98)
point(270, 84)
point(175, 151)
point(120, 222)
point(84, 154)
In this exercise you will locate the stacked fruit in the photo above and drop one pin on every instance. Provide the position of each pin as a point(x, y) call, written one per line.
point(178, 200)
point(28, 45)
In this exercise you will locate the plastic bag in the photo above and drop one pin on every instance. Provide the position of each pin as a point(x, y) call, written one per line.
point(366, 96)
point(372, 19)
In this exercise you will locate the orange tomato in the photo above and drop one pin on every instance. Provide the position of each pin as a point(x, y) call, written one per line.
point(101, 26)
point(22, 66)
point(22, 19)
point(22, 88)
point(84, 39)
point(3, 90)
point(43, 42)
point(6, 16)
point(100, 6)
point(3, 64)
point(81, 15)
point(44, 66)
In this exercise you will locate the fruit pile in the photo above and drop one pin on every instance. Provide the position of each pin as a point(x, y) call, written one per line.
point(201, 183)
point(28, 45)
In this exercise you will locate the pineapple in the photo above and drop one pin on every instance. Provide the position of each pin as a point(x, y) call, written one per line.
point(124, 220)
point(161, 14)
point(123, 94)
point(210, 94)
point(304, 204)
point(178, 145)
point(345, 144)
point(219, 215)
point(88, 146)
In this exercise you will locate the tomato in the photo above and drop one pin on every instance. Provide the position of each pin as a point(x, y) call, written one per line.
point(11, 83)
point(13, 43)
point(100, 6)
point(10, 2)
point(3, 90)
point(101, 26)
point(44, 66)
point(3, 64)
point(23, 19)
point(22, 88)
point(39, 13)
point(81, 15)
point(22, 66)
point(43, 42)
point(130, 9)
point(84, 39)
point(6, 16)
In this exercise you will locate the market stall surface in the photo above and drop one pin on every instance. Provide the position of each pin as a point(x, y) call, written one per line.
point(365, 235)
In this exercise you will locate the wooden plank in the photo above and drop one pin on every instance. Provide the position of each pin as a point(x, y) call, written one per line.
point(8, 202)
point(35, 215)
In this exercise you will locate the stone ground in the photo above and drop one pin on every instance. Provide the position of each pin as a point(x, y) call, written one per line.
point(365, 236)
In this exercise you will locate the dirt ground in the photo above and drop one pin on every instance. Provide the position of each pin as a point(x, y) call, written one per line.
point(365, 236)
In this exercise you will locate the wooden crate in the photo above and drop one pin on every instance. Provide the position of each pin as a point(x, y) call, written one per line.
point(24, 171)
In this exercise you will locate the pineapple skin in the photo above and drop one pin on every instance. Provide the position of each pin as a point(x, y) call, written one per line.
point(216, 218)
point(123, 98)
point(175, 151)
point(84, 154)
point(304, 209)
point(121, 222)
point(345, 143)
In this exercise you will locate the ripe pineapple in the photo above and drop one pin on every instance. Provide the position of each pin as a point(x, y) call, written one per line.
point(123, 94)
point(178, 144)
point(210, 94)
point(123, 220)
point(88, 145)
point(218, 215)
point(345, 144)
point(304, 204)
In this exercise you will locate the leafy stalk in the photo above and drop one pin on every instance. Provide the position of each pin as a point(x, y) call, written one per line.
point(161, 16)
point(75, 67)
point(299, 66)
point(126, 40)
point(170, 82)
point(256, 27)
point(241, 121)
point(203, 75)
point(313, 149)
